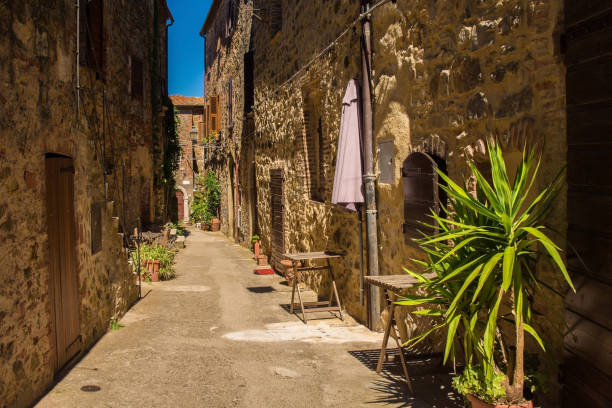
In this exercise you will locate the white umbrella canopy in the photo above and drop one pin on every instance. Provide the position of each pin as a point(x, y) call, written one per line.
point(348, 188)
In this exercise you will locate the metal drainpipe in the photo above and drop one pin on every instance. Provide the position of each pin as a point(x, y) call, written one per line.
point(369, 178)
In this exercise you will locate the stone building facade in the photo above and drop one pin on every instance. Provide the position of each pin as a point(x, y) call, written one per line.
point(229, 96)
point(83, 93)
point(190, 111)
point(446, 75)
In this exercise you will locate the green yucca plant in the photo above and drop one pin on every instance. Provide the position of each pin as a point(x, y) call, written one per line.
point(483, 258)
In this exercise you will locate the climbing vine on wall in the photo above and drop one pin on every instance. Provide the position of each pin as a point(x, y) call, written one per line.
point(166, 176)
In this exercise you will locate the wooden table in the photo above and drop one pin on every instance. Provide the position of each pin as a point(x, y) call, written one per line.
point(312, 307)
point(392, 285)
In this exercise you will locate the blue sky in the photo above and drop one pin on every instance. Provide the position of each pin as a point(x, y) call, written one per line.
point(186, 47)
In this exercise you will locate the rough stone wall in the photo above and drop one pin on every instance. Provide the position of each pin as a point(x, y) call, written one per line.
point(224, 60)
point(446, 74)
point(112, 132)
point(281, 140)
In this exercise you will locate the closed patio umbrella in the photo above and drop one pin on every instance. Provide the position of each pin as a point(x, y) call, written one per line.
point(348, 188)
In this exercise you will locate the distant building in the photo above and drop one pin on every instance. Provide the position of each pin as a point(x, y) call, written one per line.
point(190, 112)
point(81, 142)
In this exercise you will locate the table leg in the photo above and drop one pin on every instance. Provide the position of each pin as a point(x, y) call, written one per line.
point(331, 274)
point(383, 349)
point(293, 290)
point(297, 279)
point(401, 353)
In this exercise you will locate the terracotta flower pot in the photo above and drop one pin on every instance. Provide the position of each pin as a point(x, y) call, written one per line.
point(215, 223)
point(262, 260)
point(256, 249)
point(478, 403)
point(152, 269)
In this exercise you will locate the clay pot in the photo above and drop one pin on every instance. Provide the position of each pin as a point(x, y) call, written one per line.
point(478, 403)
point(215, 223)
point(152, 269)
point(262, 260)
point(256, 249)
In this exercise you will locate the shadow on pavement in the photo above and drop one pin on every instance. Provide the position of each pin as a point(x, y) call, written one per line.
point(431, 381)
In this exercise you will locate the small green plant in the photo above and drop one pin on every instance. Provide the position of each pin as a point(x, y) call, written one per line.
point(255, 238)
point(166, 273)
point(206, 198)
point(159, 253)
point(180, 229)
point(115, 325)
point(473, 381)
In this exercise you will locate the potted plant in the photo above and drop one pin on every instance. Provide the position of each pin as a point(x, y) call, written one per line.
point(256, 245)
point(157, 263)
point(484, 256)
point(206, 200)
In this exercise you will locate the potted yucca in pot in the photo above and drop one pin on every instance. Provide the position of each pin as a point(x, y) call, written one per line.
point(483, 256)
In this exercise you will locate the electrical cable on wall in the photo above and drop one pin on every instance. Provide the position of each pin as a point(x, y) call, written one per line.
point(329, 46)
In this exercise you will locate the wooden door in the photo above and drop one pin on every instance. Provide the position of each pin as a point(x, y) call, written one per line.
point(588, 342)
point(277, 243)
point(62, 258)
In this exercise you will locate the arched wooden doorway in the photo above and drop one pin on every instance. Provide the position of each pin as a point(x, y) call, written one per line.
point(421, 192)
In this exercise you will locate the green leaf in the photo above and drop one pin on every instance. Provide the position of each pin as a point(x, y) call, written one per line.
point(529, 329)
point(508, 267)
point(428, 312)
point(450, 338)
point(553, 251)
point(489, 266)
point(489, 335)
point(465, 285)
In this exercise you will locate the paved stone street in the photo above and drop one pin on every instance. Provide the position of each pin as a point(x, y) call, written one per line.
point(218, 336)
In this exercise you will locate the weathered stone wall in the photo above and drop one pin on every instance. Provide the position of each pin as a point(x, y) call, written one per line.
point(450, 74)
point(225, 51)
point(309, 225)
point(112, 134)
point(446, 74)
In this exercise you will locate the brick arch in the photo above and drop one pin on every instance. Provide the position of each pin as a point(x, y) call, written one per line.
point(433, 145)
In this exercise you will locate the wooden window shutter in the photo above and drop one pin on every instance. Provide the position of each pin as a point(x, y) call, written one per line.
point(420, 187)
point(92, 34)
point(204, 124)
point(214, 114)
point(276, 16)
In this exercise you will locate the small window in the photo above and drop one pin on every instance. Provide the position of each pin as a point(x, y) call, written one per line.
point(276, 16)
point(421, 193)
point(316, 144)
point(136, 88)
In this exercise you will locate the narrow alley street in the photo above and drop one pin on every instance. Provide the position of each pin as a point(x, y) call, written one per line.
point(218, 336)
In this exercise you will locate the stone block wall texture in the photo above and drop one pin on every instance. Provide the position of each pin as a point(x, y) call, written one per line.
point(113, 134)
point(225, 49)
point(446, 76)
